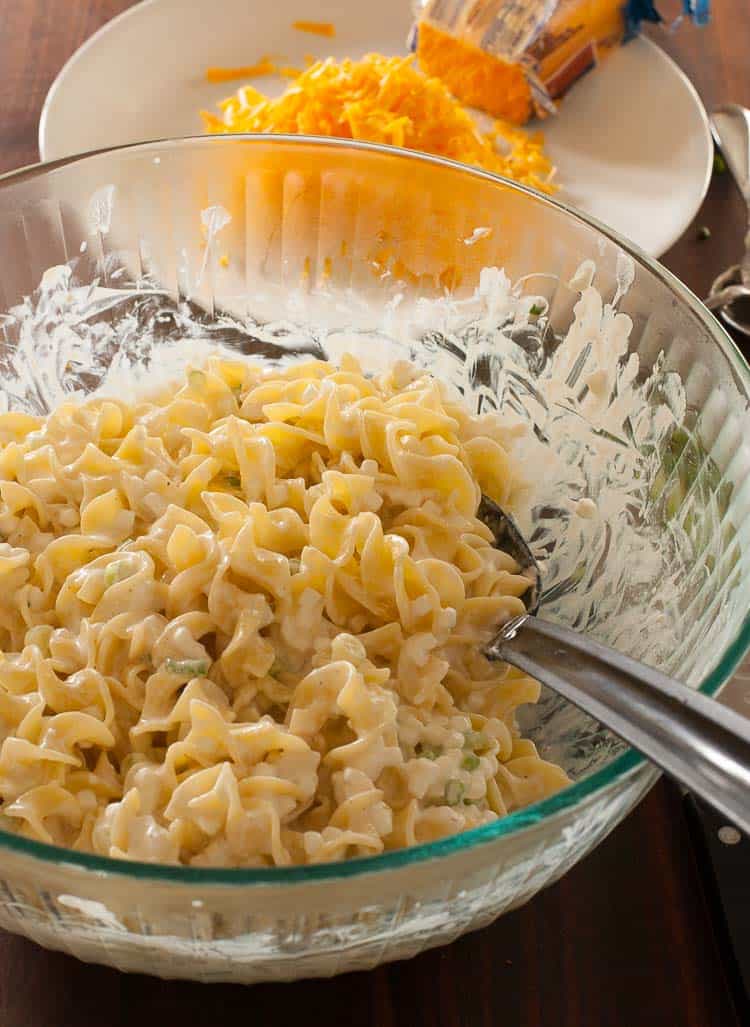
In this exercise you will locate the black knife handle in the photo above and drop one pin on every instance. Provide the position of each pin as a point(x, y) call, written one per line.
point(723, 855)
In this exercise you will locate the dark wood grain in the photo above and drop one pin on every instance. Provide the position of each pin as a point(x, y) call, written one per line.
point(624, 940)
point(716, 58)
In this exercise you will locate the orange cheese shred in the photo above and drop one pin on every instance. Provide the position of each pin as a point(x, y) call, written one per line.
point(386, 100)
point(264, 66)
point(317, 28)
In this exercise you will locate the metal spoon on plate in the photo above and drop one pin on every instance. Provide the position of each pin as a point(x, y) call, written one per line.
point(693, 738)
point(729, 296)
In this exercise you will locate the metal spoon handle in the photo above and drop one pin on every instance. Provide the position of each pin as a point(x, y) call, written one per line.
point(730, 126)
point(693, 738)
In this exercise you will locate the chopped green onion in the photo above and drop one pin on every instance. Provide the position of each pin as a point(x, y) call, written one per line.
point(234, 481)
point(428, 752)
point(475, 740)
point(470, 761)
point(454, 792)
point(704, 232)
point(720, 165)
point(536, 310)
point(723, 496)
point(278, 667)
point(187, 668)
point(112, 573)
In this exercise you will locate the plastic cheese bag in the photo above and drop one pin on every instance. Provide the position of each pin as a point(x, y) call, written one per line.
point(515, 58)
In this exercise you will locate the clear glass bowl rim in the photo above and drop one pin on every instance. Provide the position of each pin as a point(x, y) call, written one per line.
point(625, 765)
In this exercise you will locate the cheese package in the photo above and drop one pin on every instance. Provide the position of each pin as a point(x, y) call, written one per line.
point(514, 58)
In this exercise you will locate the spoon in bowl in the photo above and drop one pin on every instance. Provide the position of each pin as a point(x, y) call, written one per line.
point(701, 743)
point(729, 295)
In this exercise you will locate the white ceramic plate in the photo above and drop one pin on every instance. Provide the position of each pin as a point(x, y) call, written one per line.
point(631, 143)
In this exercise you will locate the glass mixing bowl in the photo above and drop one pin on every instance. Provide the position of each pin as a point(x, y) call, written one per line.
point(161, 249)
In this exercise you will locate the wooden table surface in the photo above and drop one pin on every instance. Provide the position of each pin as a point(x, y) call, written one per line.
point(624, 940)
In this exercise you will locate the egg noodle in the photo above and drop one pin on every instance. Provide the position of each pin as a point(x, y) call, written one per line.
point(241, 621)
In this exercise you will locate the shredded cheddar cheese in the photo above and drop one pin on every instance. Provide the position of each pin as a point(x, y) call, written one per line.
point(386, 100)
point(480, 79)
point(317, 28)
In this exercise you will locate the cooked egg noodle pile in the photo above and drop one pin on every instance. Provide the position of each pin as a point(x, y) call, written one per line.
point(241, 621)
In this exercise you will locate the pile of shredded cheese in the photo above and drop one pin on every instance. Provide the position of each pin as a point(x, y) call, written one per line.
point(386, 100)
